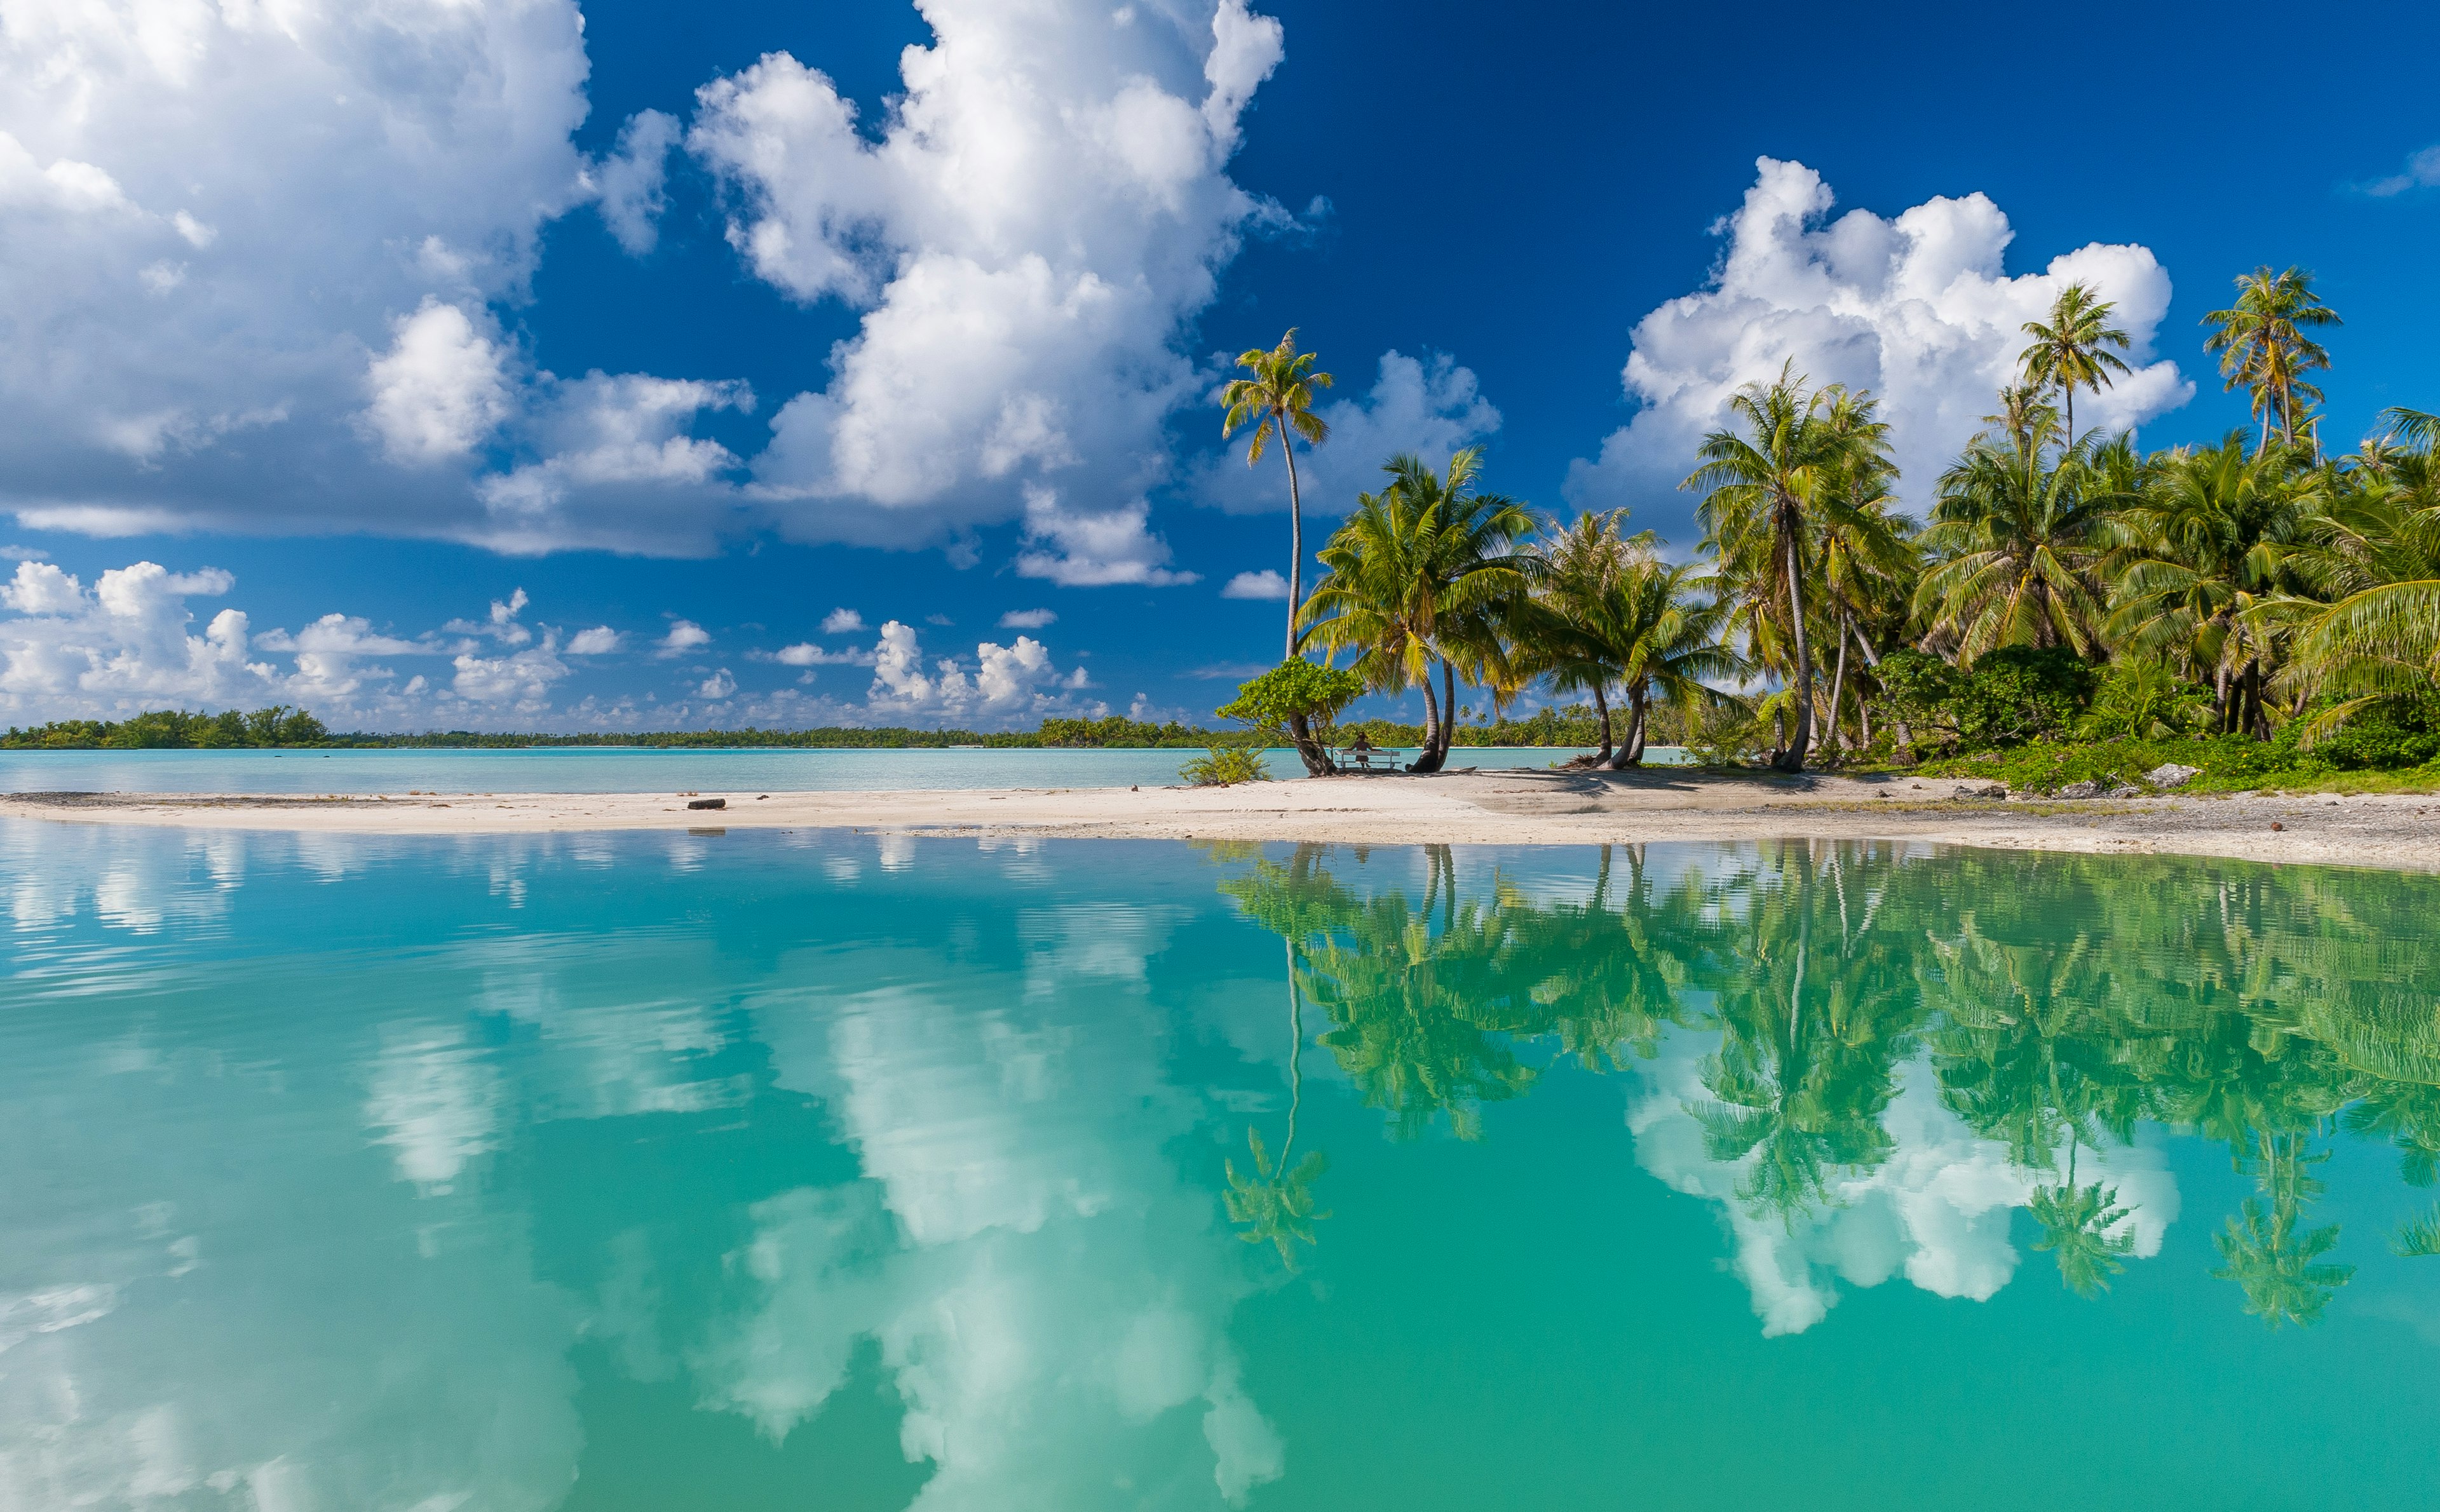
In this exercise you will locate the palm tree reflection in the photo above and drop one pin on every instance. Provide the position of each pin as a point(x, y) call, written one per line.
point(2075, 1000)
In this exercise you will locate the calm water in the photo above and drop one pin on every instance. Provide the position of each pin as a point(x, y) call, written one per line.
point(793, 1170)
point(566, 769)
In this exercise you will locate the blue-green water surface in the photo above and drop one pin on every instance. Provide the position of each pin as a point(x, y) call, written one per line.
point(634, 768)
point(810, 1170)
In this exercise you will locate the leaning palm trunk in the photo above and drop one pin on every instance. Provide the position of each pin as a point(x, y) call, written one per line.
point(1872, 660)
point(1428, 760)
point(1838, 739)
point(1600, 707)
point(1295, 537)
point(1800, 737)
point(1438, 718)
point(1638, 712)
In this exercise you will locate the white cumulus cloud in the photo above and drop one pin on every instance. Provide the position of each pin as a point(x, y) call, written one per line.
point(1077, 548)
point(840, 621)
point(1919, 309)
point(1027, 618)
point(1263, 584)
point(684, 635)
point(1027, 232)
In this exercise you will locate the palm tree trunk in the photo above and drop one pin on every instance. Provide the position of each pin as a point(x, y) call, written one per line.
point(2219, 689)
point(1872, 660)
point(1838, 739)
point(1639, 707)
point(1800, 738)
point(1427, 760)
point(1601, 706)
point(1296, 534)
point(1296, 1054)
point(1436, 738)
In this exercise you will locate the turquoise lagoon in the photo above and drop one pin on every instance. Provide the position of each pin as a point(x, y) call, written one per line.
point(620, 768)
point(810, 1170)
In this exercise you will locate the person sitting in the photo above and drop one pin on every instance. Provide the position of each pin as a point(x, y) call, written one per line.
point(1362, 747)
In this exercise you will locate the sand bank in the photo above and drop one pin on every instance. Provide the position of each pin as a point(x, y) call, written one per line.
point(1515, 807)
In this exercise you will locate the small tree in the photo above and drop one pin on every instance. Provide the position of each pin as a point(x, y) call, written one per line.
point(1296, 704)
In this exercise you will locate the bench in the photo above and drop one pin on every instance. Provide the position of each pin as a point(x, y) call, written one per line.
point(1366, 760)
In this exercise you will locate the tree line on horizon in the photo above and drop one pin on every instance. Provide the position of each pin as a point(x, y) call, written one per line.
point(2252, 589)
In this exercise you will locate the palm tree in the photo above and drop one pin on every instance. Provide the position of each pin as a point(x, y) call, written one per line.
point(1765, 481)
point(2369, 632)
point(2204, 545)
point(2262, 345)
point(2075, 1223)
point(1577, 565)
point(2071, 352)
point(2016, 545)
point(1660, 631)
point(1281, 393)
point(1423, 572)
point(1868, 560)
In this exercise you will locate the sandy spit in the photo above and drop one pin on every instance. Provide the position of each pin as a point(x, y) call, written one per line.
point(1522, 808)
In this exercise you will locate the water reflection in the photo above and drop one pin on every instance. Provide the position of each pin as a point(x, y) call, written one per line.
point(1870, 1055)
point(368, 1172)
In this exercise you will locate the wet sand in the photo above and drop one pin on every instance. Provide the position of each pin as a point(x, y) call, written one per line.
point(1513, 807)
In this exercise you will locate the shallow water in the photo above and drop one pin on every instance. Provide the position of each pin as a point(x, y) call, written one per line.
point(565, 768)
point(772, 1169)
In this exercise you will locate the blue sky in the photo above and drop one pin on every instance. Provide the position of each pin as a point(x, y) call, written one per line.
point(700, 324)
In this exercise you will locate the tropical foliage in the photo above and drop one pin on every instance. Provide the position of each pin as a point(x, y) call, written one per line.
point(2253, 588)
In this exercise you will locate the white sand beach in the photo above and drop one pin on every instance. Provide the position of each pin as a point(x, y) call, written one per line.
point(1516, 807)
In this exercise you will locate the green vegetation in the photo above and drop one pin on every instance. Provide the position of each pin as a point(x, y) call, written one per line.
point(171, 729)
point(1225, 766)
point(2270, 1011)
point(2254, 607)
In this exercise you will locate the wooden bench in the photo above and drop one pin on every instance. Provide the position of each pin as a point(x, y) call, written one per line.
point(1376, 760)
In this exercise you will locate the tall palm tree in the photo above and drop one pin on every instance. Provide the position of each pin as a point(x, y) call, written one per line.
point(2015, 544)
point(1279, 394)
point(1869, 560)
point(2262, 345)
point(2202, 547)
point(1764, 479)
point(2072, 349)
point(1424, 574)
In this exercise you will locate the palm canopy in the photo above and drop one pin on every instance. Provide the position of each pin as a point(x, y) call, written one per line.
point(1788, 460)
point(2072, 350)
point(1278, 395)
point(1426, 571)
point(2016, 542)
point(2204, 547)
point(2369, 632)
point(2262, 344)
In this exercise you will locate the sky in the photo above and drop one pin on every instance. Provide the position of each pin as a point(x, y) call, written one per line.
point(513, 364)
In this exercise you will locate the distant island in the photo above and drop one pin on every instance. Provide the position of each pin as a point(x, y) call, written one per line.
point(284, 729)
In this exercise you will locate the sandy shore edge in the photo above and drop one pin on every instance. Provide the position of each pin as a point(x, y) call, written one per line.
point(1513, 807)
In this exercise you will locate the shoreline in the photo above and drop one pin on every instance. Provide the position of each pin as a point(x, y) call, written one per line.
point(1515, 807)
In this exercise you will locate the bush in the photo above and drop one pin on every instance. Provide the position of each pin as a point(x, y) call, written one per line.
point(2401, 732)
point(2144, 700)
point(2015, 694)
point(1294, 689)
point(1225, 766)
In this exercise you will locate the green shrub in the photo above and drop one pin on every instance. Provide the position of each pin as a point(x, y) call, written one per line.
point(2394, 733)
point(1225, 766)
point(1294, 689)
point(2144, 700)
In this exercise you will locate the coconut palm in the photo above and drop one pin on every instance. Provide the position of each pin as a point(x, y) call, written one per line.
point(1869, 559)
point(2204, 547)
point(1424, 574)
point(2072, 350)
point(2263, 347)
point(2076, 1223)
point(1577, 564)
point(2369, 632)
point(2017, 544)
point(1280, 392)
point(1765, 481)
